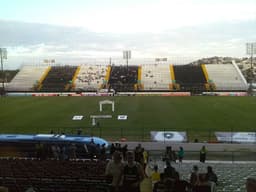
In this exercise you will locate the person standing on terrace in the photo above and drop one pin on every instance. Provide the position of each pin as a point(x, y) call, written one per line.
point(181, 154)
point(203, 152)
point(132, 174)
point(114, 171)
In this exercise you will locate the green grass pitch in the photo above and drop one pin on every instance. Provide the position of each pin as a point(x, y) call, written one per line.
point(199, 116)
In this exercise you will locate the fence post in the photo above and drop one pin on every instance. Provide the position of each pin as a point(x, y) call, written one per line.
point(121, 129)
point(255, 137)
point(231, 134)
point(209, 135)
point(164, 136)
point(143, 133)
point(187, 135)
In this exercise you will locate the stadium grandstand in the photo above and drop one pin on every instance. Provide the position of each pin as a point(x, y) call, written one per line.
point(133, 78)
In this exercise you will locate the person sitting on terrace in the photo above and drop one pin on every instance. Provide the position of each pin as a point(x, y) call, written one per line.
point(251, 185)
point(211, 175)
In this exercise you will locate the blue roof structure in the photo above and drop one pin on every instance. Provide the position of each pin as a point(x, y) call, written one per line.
point(51, 138)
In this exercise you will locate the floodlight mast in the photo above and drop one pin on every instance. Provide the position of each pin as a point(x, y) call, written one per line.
point(127, 56)
point(3, 55)
point(250, 50)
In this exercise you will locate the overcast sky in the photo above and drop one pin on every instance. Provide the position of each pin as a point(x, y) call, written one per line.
point(75, 30)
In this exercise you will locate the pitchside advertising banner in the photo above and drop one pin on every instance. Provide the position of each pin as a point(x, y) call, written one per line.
point(173, 136)
point(236, 137)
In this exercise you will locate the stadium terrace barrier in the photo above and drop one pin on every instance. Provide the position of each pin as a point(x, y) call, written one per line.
point(154, 94)
point(52, 94)
point(178, 94)
point(48, 94)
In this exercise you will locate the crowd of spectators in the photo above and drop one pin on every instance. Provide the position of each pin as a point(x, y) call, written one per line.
point(68, 151)
point(58, 78)
point(190, 77)
point(61, 151)
point(127, 168)
point(132, 165)
point(123, 78)
point(91, 77)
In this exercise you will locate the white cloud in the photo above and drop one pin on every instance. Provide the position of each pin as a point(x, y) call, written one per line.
point(26, 43)
point(133, 16)
point(161, 16)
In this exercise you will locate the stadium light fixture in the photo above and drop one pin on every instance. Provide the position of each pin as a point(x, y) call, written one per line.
point(3, 55)
point(158, 60)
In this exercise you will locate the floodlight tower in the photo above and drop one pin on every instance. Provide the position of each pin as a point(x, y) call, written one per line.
point(127, 56)
point(250, 50)
point(3, 55)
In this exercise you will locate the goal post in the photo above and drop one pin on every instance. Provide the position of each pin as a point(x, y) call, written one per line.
point(107, 102)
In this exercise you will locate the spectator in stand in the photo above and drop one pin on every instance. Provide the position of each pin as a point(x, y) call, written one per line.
point(112, 149)
point(170, 154)
point(132, 174)
point(124, 151)
point(40, 151)
point(181, 185)
point(114, 170)
point(251, 185)
point(204, 185)
point(79, 131)
point(155, 176)
point(72, 151)
point(55, 151)
point(3, 189)
point(211, 176)
point(167, 154)
point(97, 151)
point(194, 177)
point(138, 153)
point(170, 172)
point(145, 157)
point(30, 189)
point(103, 152)
point(170, 175)
point(63, 152)
point(203, 152)
point(118, 147)
point(169, 185)
point(160, 186)
point(93, 149)
point(181, 154)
